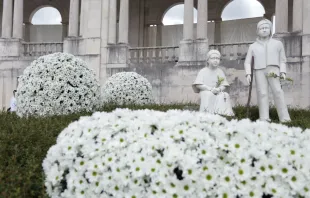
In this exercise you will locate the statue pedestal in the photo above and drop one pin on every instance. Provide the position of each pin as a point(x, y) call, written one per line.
point(82, 46)
point(193, 53)
point(292, 43)
point(11, 47)
point(71, 45)
point(306, 45)
point(117, 56)
point(304, 92)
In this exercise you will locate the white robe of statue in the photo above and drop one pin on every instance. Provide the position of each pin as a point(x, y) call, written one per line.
point(213, 99)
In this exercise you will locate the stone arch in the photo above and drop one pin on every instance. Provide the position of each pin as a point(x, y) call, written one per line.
point(167, 9)
point(172, 6)
point(42, 7)
point(31, 33)
point(224, 4)
point(33, 6)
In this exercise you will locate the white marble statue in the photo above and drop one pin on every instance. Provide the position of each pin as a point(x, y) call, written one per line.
point(269, 58)
point(210, 83)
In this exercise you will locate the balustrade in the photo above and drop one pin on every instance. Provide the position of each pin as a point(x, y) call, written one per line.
point(232, 51)
point(153, 54)
point(40, 49)
point(169, 54)
point(163, 54)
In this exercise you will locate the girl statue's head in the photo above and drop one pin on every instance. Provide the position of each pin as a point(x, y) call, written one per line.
point(213, 58)
point(264, 28)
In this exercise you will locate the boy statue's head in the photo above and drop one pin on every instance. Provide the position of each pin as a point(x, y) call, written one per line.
point(264, 28)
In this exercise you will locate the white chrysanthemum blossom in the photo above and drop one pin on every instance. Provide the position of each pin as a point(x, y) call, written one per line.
point(57, 84)
point(127, 88)
point(176, 154)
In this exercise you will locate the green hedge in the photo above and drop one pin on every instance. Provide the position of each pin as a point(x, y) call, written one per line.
point(25, 142)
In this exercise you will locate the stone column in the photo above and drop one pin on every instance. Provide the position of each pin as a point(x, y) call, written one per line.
point(1, 92)
point(117, 55)
point(142, 17)
point(297, 15)
point(159, 28)
point(188, 27)
point(74, 18)
point(82, 18)
point(306, 28)
point(27, 31)
point(281, 16)
point(123, 22)
point(304, 75)
point(112, 22)
point(18, 19)
point(217, 30)
point(202, 21)
point(64, 29)
point(104, 41)
point(7, 19)
point(146, 36)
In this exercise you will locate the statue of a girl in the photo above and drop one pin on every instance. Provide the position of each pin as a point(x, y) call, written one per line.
point(211, 83)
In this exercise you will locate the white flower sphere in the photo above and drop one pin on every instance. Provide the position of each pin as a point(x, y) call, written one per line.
point(127, 88)
point(57, 84)
point(180, 154)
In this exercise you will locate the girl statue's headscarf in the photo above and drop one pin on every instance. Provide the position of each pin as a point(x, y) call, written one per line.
point(213, 52)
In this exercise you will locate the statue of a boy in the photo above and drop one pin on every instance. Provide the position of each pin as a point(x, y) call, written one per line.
point(211, 83)
point(269, 57)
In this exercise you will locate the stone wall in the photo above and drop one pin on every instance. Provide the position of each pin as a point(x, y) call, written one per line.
point(45, 33)
point(172, 84)
point(10, 70)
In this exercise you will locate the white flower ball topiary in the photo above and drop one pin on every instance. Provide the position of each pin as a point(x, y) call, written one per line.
point(180, 154)
point(127, 88)
point(57, 84)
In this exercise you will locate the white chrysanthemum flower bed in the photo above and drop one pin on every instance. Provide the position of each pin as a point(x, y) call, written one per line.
point(57, 84)
point(147, 153)
point(127, 88)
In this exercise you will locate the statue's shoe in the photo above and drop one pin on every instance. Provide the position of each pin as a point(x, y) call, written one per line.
point(286, 120)
point(266, 119)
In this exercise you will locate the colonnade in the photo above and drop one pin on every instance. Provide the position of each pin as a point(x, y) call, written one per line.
point(202, 20)
point(301, 16)
point(301, 8)
point(12, 19)
point(112, 20)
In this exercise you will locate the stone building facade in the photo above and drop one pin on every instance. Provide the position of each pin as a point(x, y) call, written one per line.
point(128, 35)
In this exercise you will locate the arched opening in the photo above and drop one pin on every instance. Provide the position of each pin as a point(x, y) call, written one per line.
point(45, 25)
point(239, 20)
point(175, 15)
point(170, 30)
point(46, 16)
point(242, 9)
